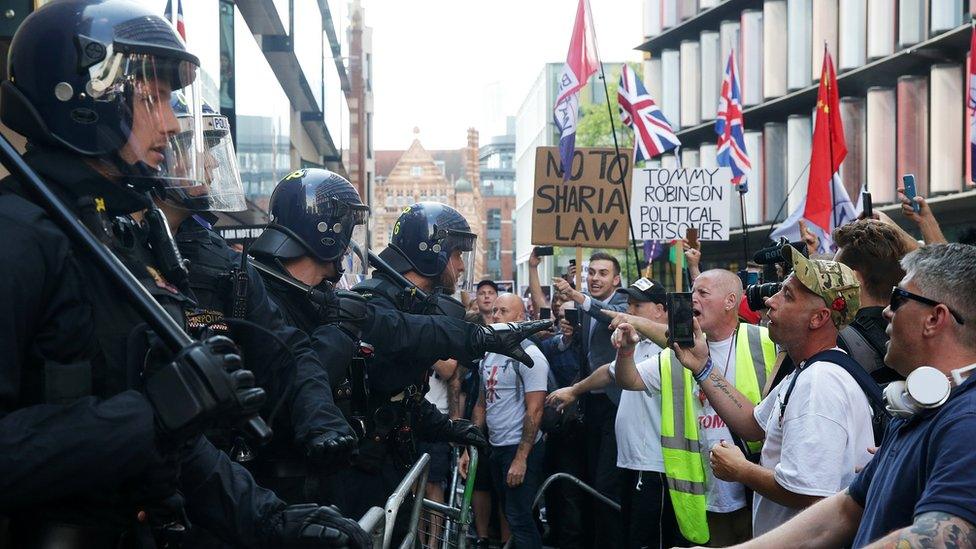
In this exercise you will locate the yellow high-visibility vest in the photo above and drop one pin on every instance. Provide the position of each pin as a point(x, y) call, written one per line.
point(755, 355)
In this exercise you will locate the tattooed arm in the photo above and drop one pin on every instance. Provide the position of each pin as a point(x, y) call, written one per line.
point(932, 529)
point(732, 406)
point(534, 402)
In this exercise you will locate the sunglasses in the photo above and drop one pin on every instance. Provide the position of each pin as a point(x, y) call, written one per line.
point(900, 295)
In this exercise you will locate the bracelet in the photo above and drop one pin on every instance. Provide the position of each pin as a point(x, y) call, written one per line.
point(626, 354)
point(703, 374)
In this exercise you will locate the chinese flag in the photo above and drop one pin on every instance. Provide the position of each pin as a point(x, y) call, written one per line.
point(828, 151)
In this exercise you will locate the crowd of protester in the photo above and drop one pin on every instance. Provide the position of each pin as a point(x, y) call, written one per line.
point(788, 426)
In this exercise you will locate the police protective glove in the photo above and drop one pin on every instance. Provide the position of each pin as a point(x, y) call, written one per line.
point(330, 449)
point(344, 309)
point(205, 382)
point(462, 431)
point(308, 525)
point(506, 338)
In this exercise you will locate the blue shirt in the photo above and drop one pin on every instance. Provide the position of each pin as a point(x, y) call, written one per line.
point(925, 464)
point(564, 364)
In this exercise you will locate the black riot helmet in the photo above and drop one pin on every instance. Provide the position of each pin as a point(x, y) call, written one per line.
point(95, 77)
point(426, 236)
point(317, 213)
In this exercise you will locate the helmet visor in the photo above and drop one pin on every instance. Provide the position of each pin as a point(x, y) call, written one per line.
point(355, 262)
point(223, 190)
point(463, 242)
point(157, 148)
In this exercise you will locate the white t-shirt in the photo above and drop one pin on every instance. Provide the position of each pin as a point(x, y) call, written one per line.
point(437, 394)
point(638, 424)
point(824, 435)
point(505, 392)
point(721, 496)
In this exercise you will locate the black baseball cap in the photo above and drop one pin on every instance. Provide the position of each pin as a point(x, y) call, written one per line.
point(646, 290)
point(487, 282)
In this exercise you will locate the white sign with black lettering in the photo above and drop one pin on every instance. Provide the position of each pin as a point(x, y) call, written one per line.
point(666, 202)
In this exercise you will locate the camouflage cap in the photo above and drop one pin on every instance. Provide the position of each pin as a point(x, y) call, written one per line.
point(834, 282)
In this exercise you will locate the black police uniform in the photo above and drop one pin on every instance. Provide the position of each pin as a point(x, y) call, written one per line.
point(302, 392)
point(78, 447)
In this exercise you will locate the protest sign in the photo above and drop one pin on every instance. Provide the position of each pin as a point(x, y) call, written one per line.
point(667, 201)
point(589, 209)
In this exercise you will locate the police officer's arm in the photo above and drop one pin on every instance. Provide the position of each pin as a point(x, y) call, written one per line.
point(829, 523)
point(732, 406)
point(428, 338)
point(54, 450)
point(223, 497)
point(301, 372)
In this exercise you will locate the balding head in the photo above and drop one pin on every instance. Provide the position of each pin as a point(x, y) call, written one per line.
point(508, 308)
point(716, 300)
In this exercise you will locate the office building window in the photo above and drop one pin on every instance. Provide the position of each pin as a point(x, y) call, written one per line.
point(494, 219)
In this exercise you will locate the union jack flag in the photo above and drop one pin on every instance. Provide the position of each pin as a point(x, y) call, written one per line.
point(728, 125)
point(652, 132)
point(176, 17)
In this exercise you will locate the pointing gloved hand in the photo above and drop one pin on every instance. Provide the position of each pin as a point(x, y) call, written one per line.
point(204, 383)
point(330, 449)
point(308, 525)
point(506, 338)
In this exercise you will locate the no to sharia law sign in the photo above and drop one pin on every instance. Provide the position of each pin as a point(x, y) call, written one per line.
point(589, 208)
point(666, 202)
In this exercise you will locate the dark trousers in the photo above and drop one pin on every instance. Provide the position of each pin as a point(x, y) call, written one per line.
point(517, 502)
point(564, 500)
point(602, 473)
point(648, 516)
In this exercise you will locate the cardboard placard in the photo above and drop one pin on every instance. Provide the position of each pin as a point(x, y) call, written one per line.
point(667, 201)
point(587, 210)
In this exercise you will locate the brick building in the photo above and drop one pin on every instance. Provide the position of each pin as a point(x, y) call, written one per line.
point(417, 175)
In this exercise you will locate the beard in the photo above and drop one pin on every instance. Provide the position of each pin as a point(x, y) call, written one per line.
point(448, 282)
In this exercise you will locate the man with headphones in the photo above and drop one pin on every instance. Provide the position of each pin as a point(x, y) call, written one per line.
point(918, 490)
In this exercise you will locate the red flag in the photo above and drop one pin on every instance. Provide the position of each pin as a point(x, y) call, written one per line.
point(829, 148)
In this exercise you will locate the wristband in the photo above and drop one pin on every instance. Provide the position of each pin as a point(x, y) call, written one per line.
point(626, 354)
point(703, 374)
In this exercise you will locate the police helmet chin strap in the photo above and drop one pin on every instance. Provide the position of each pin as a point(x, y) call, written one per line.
point(926, 388)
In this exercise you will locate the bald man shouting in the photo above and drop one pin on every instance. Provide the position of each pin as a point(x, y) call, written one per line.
point(740, 353)
point(510, 402)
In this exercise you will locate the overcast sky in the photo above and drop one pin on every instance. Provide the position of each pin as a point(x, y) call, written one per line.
point(440, 64)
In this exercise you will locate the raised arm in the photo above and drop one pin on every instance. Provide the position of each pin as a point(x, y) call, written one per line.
point(625, 340)
point(535, 285)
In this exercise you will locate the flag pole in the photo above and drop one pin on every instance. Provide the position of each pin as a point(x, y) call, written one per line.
point(613, 132)
point(830, 141)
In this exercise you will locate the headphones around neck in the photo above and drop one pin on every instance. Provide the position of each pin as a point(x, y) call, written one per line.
point(925, 389)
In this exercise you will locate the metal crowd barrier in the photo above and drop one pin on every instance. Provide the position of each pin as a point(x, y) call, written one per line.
point(436, 525)
point(570, 478)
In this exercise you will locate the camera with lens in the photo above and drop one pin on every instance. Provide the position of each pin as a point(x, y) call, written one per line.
point(756, 294)
point(769, 256)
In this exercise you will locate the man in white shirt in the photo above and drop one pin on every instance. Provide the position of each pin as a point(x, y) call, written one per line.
point(510, 403)
point(646, 510)
point(817, 422)
point(716, 297)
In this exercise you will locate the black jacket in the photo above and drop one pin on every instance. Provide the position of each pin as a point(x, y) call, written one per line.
point(293, 374)
point(77, 440)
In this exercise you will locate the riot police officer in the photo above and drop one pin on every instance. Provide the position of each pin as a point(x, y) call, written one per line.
point(100, 431)
point(231, 297)
point(314, 213)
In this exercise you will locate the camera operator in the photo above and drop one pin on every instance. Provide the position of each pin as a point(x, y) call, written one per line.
point(817, 411)
point(918, 490)
point(873, 251)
